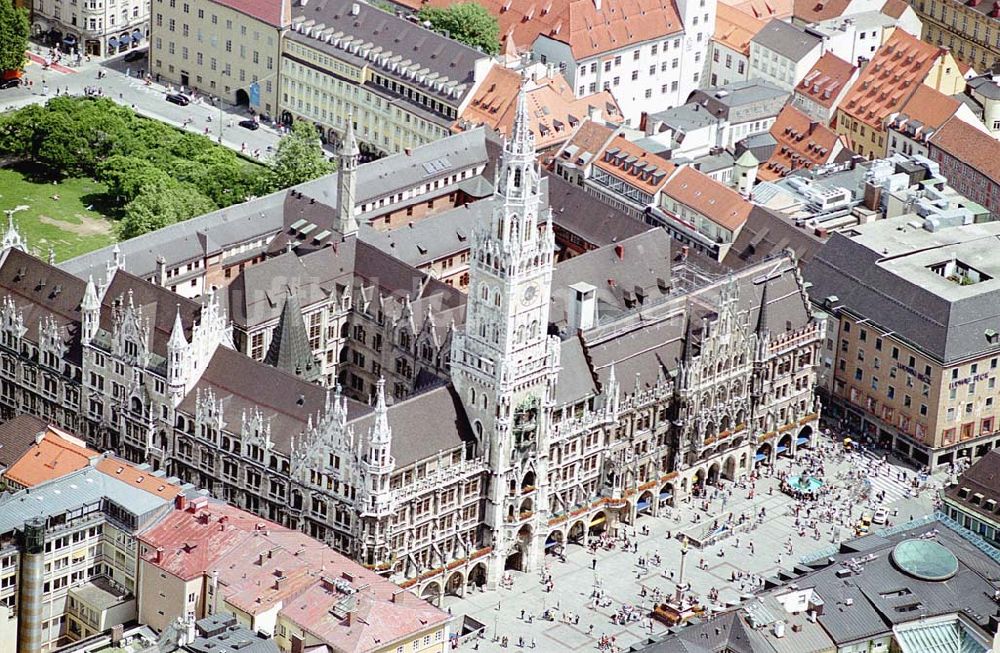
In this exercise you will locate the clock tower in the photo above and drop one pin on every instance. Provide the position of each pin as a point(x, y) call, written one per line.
point(504, 364)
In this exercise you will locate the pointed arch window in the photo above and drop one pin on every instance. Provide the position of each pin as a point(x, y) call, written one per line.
point(517, 177)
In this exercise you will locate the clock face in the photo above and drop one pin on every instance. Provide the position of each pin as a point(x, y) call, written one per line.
point(530, 291)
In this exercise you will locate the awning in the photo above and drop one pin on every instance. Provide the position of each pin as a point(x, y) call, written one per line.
point(69, 39)
point(113, 43)
point(801, 440)
point(596, 521)
point(642, 505)
point(781, 448)
point(551, 544)
point(759, 457)
point(666, 495)
point(136, 37)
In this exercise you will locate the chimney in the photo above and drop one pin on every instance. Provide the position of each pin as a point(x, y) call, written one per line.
point(779, 628)
point(161, 270)
point(597, 4)
point(812, 126)
point(180, 502)
point(582, 306)
point(355, 9)
point(620, 251)
point(158, 559)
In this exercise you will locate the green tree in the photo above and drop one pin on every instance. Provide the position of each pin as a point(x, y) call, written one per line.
point(127, 176)
point(468, 22)
point(14, 29)
point(299, 157)
point(162, 203)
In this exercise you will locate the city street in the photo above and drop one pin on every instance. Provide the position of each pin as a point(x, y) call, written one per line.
point(619, 576)
point(122, 84)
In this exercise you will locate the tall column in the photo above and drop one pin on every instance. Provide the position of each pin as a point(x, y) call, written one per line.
point(29, 622)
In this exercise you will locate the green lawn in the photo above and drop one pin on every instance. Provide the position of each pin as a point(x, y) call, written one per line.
point(73, 224)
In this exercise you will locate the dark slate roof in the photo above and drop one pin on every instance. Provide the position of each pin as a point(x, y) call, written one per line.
point(376, 28)
point(244, 385)
point(41, 290)
point(642, 355)
point(423, 425)
point(767, 233)
point(159, 307)
point(17, 435)
point(290, 349)
point(982, 478)
point(644, 264)
point(740, 96)
point(596, 223)
point(787, 40)
point(576, 380)
point(879, 271)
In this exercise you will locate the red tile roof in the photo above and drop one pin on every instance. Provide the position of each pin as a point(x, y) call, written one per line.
point(138, 478)
point(57, 453)
point(587, 143)
point(764, 9)
point(735, 29)
point(970, 145)
point(801, 143)
point(827, 80)
point(898, 67)
point(925, 111)
point(894, 8)
point(813, 11)
point(276, 13)
point(629, 162)
point(720, 204)
point(553, 107)
point(579, 23)
point(261, 564)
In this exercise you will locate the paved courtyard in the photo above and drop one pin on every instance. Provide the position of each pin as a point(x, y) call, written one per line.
point(620, 578)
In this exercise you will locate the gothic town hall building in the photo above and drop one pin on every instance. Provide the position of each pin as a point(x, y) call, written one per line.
point(435, 435)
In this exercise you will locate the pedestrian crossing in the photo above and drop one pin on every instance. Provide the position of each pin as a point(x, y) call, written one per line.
point(885, 480)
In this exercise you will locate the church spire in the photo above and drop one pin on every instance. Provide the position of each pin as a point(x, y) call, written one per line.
point(290, 349)
point(13, 239)
point(522, 139)
point(347, 178)
point(381, 433)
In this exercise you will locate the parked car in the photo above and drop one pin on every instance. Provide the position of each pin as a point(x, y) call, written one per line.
point(136, 55)
point(178, 99)
point(252, 125)
point(10, 83)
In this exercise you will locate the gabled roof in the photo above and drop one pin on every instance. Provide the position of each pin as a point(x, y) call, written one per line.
point(827, 80)
point(735, 29)
point(553, 108)
point(895, 8)
point(787, 40)
point(629, 162)
point(55, 455)
point(969, 145)
point(586, 144)
point(17, 435)
point(764, 9)
point(801, 142)
point(925, 112)
point(580, 24)
point(143, 479)
point(981, 478)
point(814, 11)
point(898, 67)
point(717, 202)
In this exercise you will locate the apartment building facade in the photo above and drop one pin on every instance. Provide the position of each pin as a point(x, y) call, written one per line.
point(228, 50)
point(971, 31)
point(927, 393)
point(344, 61)
point(967, 156)
point(97, 28)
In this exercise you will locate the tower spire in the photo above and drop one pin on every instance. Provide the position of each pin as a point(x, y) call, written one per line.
point(347, 177)
point(13, 239)
point(381, 433)
point(522, 139)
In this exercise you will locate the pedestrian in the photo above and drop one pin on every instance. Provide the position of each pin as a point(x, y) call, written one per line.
point(522, 614)
point(593, 563)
